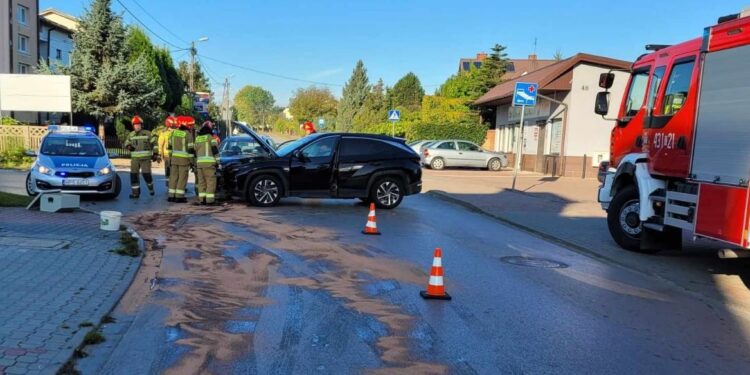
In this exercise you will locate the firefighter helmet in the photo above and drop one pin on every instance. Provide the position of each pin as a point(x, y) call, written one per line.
point(170, 122)
point(136, 120)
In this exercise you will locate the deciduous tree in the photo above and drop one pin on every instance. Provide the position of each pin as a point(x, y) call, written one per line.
point(313, 103)
point(254, 104)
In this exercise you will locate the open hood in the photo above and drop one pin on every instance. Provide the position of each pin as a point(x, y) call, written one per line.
point(246, 129)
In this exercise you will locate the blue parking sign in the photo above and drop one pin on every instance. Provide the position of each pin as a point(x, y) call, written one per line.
point(525, 94)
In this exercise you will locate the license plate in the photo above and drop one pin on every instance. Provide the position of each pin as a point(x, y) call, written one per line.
point(76, 182)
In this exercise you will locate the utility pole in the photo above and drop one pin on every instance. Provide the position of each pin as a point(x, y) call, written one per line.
point(191, 81)
point(227, 107)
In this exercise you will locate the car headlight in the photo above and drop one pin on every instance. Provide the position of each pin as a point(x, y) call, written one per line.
point(105, 171)
point(44, 170)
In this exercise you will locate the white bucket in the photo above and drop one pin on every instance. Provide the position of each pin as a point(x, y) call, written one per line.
point(110, 220)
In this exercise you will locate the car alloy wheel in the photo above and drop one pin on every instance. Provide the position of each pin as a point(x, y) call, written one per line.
point(388, 193)
point(437, 163)
point(496, 164)
point(30, 188)
point(266, 191)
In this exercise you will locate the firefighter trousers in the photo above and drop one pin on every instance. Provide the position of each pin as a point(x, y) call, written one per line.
point(178, 177)
point(207, 184)
point(140, 166)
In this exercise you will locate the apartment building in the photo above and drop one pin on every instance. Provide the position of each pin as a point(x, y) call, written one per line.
point(19, 34)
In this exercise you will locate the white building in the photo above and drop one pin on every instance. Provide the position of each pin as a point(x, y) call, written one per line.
point(561, 140)
point(56, 36)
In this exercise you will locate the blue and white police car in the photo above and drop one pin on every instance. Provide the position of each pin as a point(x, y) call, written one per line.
point(72, 160)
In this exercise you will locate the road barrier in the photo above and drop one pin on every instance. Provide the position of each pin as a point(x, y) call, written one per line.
point(435, 286)
point(372, 226)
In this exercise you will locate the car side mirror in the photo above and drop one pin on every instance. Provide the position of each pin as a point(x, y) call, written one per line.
point(606, 80)
point(601, 107)
point(298, 155)
point(30, 153)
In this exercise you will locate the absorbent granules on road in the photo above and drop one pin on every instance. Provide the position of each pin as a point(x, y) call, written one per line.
point(220, 268)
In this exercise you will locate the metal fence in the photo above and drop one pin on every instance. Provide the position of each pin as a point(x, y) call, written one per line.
point(26, 136)
point(113, 144)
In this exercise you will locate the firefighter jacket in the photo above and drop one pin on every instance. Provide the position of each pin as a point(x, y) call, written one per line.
point(180, 147)
point(163, 140)
point(206, 150)
point(143, 143)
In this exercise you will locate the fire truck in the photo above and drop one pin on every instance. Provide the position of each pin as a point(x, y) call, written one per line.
point(680, 147)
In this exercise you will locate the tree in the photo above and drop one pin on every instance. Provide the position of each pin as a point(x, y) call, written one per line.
point(254, 104)
point(200, 82)
point(353, 97)
point(558, 56)
point(374, 109)
point(104, 82)
point(464, 85)
point(490, 74)
point(172, 84)
point(407, 93)
point(313, 103)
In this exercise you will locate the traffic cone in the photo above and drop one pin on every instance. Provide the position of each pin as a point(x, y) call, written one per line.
point(435, 287)
point(372, 226)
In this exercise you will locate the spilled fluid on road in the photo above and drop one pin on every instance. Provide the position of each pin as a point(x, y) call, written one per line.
point(223, 280)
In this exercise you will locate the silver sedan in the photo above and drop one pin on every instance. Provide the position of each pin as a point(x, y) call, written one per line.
point(459, 153)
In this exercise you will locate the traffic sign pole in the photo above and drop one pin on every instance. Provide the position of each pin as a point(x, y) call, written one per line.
point(519, 148)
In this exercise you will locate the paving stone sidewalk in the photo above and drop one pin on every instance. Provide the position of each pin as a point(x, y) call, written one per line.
point(56, 276)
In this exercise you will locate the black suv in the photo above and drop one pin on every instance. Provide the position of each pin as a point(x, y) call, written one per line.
point(373, 168)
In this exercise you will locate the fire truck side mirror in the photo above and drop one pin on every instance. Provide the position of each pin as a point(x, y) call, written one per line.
point(601, 107)
point(606, 80)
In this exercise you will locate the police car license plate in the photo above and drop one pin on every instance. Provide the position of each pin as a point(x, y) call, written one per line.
point(76, 182)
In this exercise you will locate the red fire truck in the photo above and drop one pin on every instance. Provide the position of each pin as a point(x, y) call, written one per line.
point(680, 147)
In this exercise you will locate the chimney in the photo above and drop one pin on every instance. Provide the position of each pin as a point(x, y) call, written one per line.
point(532, 62)
point(481, 56)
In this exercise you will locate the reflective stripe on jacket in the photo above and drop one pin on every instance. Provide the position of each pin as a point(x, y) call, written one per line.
point(180, 144)
point(204, 149)
point(144, 144)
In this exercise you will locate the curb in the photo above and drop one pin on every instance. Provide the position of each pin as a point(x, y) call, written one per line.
point(447, 197)
point(114, 299)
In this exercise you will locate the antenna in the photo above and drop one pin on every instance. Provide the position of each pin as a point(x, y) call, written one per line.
point(535, 45)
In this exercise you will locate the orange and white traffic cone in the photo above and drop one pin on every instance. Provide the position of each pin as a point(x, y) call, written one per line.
point(435, 287)
point(372, 226)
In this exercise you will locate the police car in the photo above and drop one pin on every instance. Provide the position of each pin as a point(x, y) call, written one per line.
point(72, 160)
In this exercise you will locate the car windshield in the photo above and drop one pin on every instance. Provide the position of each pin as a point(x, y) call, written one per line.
point(72, 146)
point(286, 148)
point(241, 147)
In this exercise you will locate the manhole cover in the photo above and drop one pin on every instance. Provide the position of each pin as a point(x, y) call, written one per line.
point(533, 262)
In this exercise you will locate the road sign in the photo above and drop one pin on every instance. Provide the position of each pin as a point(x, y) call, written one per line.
point(394, 115)
point(321, 123)
point(525, 94)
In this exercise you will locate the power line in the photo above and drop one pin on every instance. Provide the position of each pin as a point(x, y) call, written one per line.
point(208, 73)
point(269, 73)
point(159, 23)
point(146, 27)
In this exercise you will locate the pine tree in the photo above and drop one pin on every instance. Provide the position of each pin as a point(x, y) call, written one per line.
point(353, 97)
point(104, 82)
point(490, 74)
point(374, 109)
point(406, 93)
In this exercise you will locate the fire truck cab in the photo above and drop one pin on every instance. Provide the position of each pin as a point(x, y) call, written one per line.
point(680, 147)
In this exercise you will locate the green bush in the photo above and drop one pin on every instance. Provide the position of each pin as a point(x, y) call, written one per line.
point(467, 131)
point(9, 121)
point(386, 128)
point(15, 157)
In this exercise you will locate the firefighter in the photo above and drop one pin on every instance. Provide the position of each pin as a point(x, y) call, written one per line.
point(143, 150)
point(309, 127)
point(171, 125)
point(206, 153)
point(180, 148)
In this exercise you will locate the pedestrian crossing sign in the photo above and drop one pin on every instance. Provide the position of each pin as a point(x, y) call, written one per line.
point(394, 115)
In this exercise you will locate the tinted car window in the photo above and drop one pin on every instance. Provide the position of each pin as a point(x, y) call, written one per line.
point(320, 151)
point(240, 146)
point(466, 146)
point(359, 149)
point(59, 146)
point(446, 146)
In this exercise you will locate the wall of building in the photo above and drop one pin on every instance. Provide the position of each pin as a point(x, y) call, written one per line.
point(588, 133)
point(52, 40)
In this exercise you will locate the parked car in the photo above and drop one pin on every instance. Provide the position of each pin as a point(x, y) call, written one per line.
point(458, 153)
point(418, 146)
point(74, 161)
point(372, 168)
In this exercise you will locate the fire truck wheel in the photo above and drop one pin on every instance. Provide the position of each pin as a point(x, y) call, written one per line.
point(623, 220)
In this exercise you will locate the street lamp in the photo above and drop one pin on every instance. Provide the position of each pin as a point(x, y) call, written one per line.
point(193, 52)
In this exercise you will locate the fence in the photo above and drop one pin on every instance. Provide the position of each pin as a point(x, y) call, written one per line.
point(26, 136)
point(113, 144)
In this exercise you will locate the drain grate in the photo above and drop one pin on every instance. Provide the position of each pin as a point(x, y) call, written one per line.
point(533, 262)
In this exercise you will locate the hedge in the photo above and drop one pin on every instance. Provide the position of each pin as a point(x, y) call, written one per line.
point(471, 132)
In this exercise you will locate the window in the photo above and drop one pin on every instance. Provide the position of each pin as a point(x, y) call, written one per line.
point(236, 146)
point(677, 87)
point(361, 149)
point(653, 89)
point(23, 68)
point(59, 146)
point(636, 92)
point(466, 146)
point(23, 15)
point(23, 43)
point(446, 146)
point(320, 151)
point(58, 54)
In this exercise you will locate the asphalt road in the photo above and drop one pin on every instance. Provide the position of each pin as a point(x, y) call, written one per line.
point(298, 289)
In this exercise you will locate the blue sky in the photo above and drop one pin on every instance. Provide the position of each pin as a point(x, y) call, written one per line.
point(321, 40)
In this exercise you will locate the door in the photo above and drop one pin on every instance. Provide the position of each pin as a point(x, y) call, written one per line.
point(471, 155)
point(627, 133)
point(540, 146)
point(447, 151)
point(311, 170)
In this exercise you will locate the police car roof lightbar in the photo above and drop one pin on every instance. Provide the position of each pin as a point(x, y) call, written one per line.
point(70, 128)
